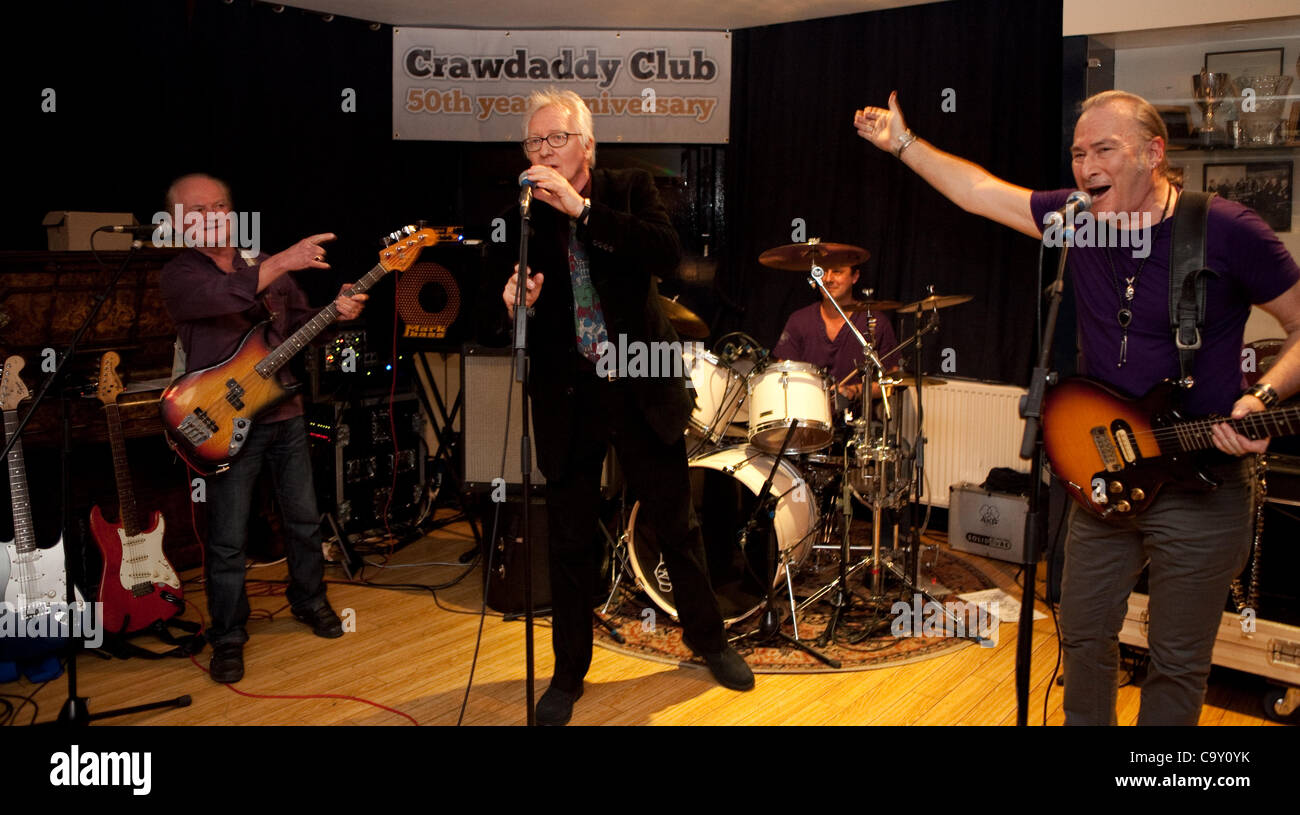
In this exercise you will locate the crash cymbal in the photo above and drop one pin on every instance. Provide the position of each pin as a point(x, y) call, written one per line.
point(683, 319)
point(935, 301)
point(872, 305)
point(798, 257)
point(900, 378)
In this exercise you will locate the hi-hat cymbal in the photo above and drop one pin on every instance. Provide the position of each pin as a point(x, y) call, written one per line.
point(936, 301)
point(799, 257)
point(872, 305)
point(683, 319)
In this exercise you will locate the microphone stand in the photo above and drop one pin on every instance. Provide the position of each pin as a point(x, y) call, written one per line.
point(525, 451)
point(1031, 447)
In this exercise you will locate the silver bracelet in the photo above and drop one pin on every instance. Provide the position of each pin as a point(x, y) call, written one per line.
point(904, 142)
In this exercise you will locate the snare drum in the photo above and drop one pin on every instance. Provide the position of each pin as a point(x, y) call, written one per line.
point(785, 391)
point(719, 412)
point(724, 489)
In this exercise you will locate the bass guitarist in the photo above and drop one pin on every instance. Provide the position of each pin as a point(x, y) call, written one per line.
point(1196, 541)
point(214, 295)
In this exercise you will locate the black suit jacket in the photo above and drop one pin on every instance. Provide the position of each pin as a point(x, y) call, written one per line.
point(629, 239)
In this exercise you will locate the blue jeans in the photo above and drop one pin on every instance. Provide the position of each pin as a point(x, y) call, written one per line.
point(282, 446)
point(1194, 543)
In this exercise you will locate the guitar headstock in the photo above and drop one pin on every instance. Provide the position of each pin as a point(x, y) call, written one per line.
point(110, 384)
point(403, 247)
point(12, 388)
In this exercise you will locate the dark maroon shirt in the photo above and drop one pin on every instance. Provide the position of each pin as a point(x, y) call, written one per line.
point(804, 340)
point(1253, 266)
point(213, 310)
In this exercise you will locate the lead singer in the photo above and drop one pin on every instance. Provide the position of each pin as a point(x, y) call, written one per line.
point(599, 238)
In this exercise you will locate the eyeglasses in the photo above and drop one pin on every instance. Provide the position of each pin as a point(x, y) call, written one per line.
point(556, 140)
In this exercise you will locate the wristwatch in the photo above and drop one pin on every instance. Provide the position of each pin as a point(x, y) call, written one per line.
point(1263, 392)
point(586, 210)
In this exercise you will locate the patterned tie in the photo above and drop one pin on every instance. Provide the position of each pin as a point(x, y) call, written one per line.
point(588, 318)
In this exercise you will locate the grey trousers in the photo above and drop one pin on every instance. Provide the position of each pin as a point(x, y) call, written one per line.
point(1195, 543)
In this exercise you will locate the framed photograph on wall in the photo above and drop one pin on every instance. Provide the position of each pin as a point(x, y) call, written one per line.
point(1264, 186)
point(1265, 61)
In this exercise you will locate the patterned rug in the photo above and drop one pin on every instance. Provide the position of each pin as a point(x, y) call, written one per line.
point(863, 639)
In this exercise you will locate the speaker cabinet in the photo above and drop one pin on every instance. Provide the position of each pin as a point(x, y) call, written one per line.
point(487, 382)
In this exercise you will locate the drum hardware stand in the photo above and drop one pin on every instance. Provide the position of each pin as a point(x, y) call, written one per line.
point(769, 626)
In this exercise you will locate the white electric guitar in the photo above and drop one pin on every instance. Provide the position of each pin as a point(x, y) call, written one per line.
point(32, 579)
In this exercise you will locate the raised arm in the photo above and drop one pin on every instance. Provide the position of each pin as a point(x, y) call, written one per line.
point(965, 183)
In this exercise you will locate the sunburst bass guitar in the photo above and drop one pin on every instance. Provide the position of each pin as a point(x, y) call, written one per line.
point(1114, 453)
point(208, 414)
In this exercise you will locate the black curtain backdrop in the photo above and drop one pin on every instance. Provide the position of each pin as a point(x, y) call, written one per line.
point(795, 154)
point(148, 89)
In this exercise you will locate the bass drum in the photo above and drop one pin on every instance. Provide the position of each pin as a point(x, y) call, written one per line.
point(724, 489)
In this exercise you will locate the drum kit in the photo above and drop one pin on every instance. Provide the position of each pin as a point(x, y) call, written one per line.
point(771, 460)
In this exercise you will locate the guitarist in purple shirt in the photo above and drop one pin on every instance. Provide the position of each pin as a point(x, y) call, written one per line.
point(1195, 541)
point(214, 296)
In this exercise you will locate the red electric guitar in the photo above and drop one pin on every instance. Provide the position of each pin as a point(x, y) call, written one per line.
point(138, 586)
point(209, 413)
point(1114, 453)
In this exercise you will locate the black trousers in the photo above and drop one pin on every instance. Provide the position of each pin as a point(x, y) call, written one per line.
point(657, 476)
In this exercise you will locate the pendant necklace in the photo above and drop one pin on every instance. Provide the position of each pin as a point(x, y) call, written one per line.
point(1124, 316)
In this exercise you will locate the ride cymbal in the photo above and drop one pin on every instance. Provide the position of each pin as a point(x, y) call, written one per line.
point(799, 257)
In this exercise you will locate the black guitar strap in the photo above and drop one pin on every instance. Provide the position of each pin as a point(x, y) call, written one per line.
point(1188, 274)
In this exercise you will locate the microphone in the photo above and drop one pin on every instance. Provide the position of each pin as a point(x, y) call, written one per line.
point(135, 230)
point(526, 194)
point(1079, 201)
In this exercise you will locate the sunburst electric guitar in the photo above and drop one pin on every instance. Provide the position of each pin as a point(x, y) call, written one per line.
point(32, 579)
point(1114, 453)
point(138, 586)
point(208, 414)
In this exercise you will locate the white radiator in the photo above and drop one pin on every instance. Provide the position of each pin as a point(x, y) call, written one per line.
point(970, 428)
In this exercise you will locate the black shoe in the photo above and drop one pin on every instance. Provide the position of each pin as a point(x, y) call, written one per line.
point(227, 663)
point(727, 667)
point(323, 621)
point(555, 708)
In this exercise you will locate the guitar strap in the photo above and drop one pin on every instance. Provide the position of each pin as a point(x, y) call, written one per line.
point(1188, 274)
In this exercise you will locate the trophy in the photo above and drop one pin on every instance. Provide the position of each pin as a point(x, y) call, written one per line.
point(1211, 91)
point(1261, 108)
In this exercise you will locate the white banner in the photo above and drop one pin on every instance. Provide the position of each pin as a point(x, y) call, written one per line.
point(642, 86)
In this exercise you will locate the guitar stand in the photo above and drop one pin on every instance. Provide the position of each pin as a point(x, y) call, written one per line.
point(769, 626)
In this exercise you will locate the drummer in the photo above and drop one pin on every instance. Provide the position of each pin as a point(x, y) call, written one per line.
point(816, 334)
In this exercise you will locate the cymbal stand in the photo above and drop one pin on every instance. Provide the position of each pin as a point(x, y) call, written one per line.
point(907, 578)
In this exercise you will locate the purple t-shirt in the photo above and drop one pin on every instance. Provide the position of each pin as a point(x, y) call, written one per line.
point(1252, 265)
point(213, 310)
point(804, 340)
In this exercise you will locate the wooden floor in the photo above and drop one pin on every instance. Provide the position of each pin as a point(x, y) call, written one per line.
point(412, 653)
